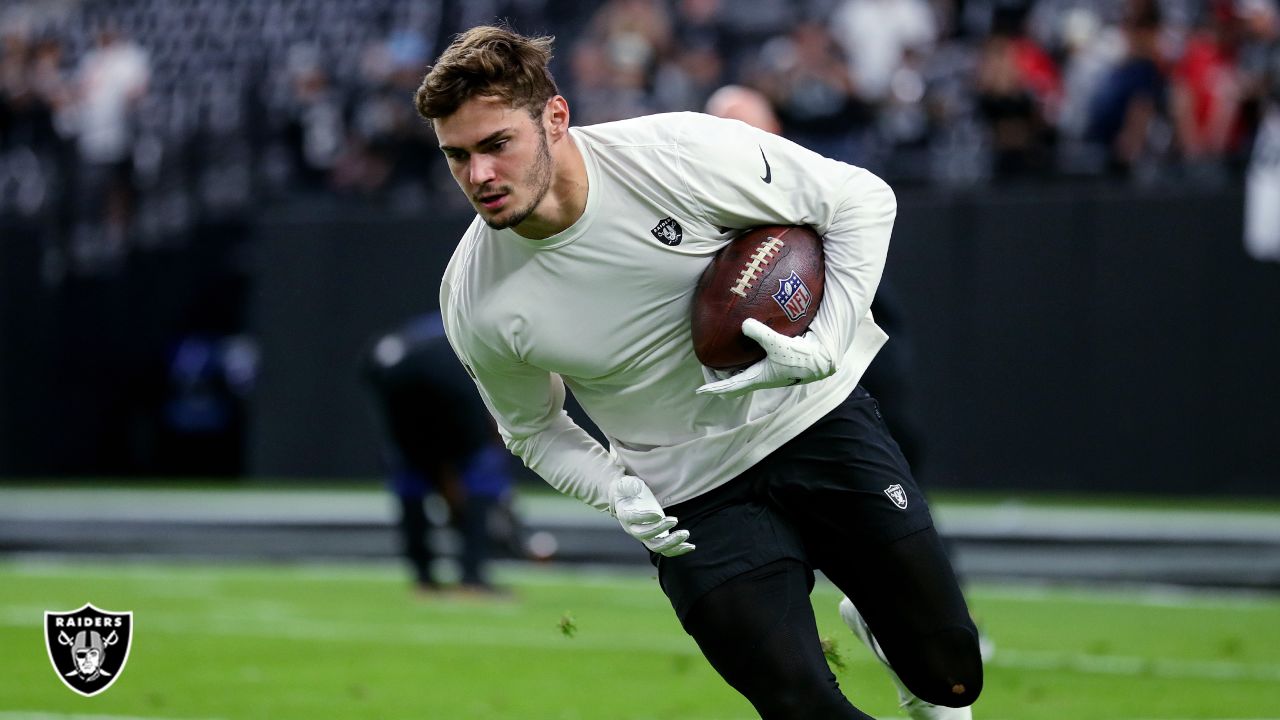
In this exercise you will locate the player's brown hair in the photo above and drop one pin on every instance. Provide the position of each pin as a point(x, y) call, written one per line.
point(488, 61)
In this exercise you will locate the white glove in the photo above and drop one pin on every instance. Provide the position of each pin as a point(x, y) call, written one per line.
point(642, 517)
point(788, 361)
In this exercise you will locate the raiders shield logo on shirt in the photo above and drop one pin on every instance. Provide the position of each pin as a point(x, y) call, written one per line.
point(897, 495)
point(668, 232)
point(88, 647)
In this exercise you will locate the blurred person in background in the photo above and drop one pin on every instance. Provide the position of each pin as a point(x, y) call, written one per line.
point(111, 81)
point(805, 76)
point(877, 36)
point(316, 127)
point(779, 470)
point(439, 442)
point(1208, 88)
point(736, 102)
point(1262, 179)
point(956, 144)
point(887, 45)
point(1089, 50)
point(616, 59)
point(690, 73)
point(33, 91)
point(1132, 97)
point(697, 62)
point(701, 22)
point(643, 24)
point(592, 80)
point(387, 152)
point(1018, 91)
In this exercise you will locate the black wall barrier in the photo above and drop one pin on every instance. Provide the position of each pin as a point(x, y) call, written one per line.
point(19, 339)
point(326, 286)
point(83, 356)
point(1111, 341)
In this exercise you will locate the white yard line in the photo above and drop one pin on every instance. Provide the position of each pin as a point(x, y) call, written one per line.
point(1148, 595)
point(1129, 665)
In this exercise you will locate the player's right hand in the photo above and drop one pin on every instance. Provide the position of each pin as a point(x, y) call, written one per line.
point(642, 517)
point(789, 361)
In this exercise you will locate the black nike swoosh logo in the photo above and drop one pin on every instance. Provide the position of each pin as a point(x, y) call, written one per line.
point(768, 171)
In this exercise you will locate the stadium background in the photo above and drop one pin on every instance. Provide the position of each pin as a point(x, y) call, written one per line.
point(204, 221)
point(1098, 317)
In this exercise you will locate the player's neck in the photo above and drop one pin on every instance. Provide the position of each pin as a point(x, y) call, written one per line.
point(565, 200)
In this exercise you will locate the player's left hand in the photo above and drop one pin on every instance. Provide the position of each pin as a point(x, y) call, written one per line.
point(640, 514)
point(788, 361)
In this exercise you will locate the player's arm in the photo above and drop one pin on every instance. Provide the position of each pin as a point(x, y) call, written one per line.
point(527, 404)
point(725, 165)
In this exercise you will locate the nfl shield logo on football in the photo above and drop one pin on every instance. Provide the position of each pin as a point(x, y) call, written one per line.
point(897, 495)
point(793, 296)
point(88, 647)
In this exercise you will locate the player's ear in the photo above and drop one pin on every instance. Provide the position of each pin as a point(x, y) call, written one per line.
point(555, 117)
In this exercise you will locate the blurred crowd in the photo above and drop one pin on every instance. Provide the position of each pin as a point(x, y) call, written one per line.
point(125, 122)
point(958, 92)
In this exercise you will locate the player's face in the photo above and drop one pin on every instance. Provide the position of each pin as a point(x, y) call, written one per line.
point(499, 157)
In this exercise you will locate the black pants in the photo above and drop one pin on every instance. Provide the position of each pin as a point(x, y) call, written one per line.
point(472, 524)
point(838, 498)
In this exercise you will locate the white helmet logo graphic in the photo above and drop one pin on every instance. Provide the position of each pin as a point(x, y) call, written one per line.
point(89, 650)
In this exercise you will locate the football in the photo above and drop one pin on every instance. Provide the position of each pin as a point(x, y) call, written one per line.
point(772, 273)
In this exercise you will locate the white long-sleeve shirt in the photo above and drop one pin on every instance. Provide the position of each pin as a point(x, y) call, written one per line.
point(603, 307)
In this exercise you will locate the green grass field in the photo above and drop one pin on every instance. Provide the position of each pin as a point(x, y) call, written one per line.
point(281, 642)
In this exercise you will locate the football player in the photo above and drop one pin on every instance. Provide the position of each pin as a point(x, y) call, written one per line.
point(578, 272)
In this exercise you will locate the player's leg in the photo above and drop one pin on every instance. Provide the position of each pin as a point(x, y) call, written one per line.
point(847, 489)
point(485, 478)
point(915, 707)
point(744, 597)
point(410, 489)
point(758, 631)
point(472, 522)
point(396, 401)
point(906, 606)
point(413, 536)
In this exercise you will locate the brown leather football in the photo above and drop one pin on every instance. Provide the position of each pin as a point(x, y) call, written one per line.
point(772, 273)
